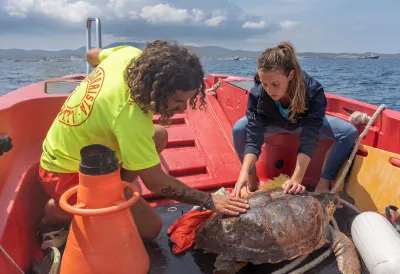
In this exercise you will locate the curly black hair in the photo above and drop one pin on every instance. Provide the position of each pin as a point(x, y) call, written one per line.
point(162, 68)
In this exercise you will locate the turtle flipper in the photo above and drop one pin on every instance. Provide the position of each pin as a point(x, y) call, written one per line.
point(346, 253)
point(226, 265)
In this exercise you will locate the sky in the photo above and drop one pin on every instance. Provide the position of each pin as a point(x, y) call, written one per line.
point(354, 26)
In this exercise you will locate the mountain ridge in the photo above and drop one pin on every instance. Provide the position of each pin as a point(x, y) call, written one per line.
point(204, 51)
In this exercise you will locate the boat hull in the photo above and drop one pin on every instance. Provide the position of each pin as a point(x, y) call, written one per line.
point(199, 152)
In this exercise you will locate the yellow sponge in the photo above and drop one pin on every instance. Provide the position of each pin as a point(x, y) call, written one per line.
point(277, 182)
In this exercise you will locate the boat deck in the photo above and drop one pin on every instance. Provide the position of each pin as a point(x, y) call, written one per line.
point(199, 152)
point(163, 261)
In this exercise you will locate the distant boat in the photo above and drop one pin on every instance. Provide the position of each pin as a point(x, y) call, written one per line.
point(371, 56)
point(236, 58)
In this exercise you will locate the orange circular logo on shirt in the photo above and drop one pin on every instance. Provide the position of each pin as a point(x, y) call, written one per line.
point(79, 105)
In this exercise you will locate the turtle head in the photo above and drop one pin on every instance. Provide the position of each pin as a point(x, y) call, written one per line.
point(329, 202)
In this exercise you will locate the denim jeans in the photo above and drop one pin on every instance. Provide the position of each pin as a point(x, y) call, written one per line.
point(343, 133)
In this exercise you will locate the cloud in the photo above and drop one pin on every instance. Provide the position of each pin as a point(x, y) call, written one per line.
point(198, 15)
point(301, 35)
point(56, 24)
point(57, 9)
point(216, 20)
point(288, 24)
point(163, 13)
point(206, 22)
point(274, 10)
point(78, 11)
point(253, 25)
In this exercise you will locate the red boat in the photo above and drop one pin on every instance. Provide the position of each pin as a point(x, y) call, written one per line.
point(200, 153)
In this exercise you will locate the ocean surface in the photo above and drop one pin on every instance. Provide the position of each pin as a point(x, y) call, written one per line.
point(373, 81)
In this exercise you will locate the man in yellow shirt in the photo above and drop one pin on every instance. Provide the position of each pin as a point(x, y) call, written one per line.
point(114, 106)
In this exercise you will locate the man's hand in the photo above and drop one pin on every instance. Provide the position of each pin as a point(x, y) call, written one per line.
point(294, 187)
point(229, 205)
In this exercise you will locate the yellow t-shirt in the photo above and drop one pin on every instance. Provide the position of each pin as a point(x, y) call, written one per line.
point(99, 111)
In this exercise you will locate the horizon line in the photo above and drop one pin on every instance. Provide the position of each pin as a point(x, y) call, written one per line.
point(297, 52)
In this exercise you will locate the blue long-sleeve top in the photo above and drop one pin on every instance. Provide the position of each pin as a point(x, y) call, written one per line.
point(262, 111)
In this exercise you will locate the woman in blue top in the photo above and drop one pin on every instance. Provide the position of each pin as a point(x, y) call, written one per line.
point(285, 99)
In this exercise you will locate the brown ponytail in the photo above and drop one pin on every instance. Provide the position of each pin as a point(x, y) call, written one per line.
point(283, 58)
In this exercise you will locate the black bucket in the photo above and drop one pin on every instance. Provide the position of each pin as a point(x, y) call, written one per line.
point(97, 160)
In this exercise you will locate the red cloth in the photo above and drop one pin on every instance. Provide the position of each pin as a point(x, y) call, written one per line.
point(182, 231)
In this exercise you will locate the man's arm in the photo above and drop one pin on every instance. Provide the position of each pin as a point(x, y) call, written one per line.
point(157, 181)
point(93, 57)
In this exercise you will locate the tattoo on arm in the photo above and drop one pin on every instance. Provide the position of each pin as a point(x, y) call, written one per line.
point(185, 194)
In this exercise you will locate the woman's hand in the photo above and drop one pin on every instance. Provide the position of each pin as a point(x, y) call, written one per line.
point(293, 187)
point(243, 181)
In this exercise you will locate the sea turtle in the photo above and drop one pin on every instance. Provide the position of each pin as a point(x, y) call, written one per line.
point(277, 227)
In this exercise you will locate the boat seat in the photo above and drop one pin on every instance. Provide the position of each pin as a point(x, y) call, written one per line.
point(26, 200)
point(279, 158)
point(374, 179)
point(22, 198)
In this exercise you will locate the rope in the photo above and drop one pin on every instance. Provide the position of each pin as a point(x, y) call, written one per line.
point(313, 263)
point(355, 149)
point(357, 118)
point(395, 200)
point(290, 266)
point(347, 204)
point(11, 260)
point(334, 224)
point(215, 86)
point(362, 118)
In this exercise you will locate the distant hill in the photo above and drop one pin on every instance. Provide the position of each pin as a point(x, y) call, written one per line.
point(12, 54)
point(205, 52)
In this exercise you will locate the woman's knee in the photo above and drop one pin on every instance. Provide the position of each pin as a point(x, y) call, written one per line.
point(239, 135)
point(344, 132)
point(350, 134)
point(239, 129)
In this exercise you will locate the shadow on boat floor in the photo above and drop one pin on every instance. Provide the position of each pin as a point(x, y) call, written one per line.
point(163, 261)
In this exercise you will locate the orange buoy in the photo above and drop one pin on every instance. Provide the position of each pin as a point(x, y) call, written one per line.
point(103, 236)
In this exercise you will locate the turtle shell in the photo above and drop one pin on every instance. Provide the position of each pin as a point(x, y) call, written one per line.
point(277, 227)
